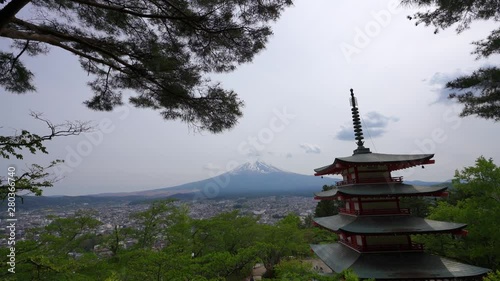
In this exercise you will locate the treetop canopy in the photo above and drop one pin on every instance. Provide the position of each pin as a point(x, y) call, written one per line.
point(161, 50)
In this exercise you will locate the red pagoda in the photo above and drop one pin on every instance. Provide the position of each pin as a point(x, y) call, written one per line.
point(374, 231)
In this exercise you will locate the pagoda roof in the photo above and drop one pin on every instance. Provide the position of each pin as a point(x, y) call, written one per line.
point(395, 266)
point(382, 189)
point(382, 225)
point(393, 161)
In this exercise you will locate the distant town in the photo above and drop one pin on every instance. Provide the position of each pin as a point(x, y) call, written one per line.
point(269, 209)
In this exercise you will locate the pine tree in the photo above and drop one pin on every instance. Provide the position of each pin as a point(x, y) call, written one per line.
point(161, 50)
point(479, 92)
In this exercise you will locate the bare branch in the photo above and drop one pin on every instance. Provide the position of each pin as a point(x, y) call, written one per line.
point(12, 145)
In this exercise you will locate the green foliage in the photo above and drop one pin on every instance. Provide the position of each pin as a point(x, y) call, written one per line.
point(36, 177)
point(478, 92)
point(318, 235)
point(66, 235)
point(349, 275)
point(326, 208)
point(286, 239)
point(300, 270)
point(13, 145)
point(162, 50)
point(419, 206)
point(32, 181)
point(492, 276)
point(478, 207)
point(227, 232)
point(10, 144)
point(52, 252)
point(294, 270)
point(224, 247)
point(153, 222)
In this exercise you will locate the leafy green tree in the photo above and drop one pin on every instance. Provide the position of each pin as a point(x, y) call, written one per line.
point(419, 206)
point(478, 92)
point(152, 222)
point(283, 240)
point(58, 251)
point(219, 248)
point(36, 177)
point(326, 208)
point(224, 232)
point(114, 241)
point(145, 264)
point(479, 208)
point(294, 269)
point(162, 50)
point(224, 247)
point(67, 235)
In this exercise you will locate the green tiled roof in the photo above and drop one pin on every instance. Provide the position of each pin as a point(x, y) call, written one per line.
point(386, 224)
point(376, 158)
point(396, 266)
point(382, 189)
point(384, 158)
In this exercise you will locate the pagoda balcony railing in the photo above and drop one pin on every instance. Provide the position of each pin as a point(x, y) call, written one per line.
point(384, 247)
point(373, 212)
point(370, 180)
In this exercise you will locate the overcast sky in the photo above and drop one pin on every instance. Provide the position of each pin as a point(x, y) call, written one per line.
point(297, 115)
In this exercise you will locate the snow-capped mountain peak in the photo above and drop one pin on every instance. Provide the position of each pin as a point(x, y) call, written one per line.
point(256, 167)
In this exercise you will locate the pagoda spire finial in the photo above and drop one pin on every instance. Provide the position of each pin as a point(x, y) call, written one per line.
point(358, 130)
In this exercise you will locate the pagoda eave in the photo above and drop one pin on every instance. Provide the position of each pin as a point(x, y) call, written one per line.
point(392, 161)
point(410, 265)
point(381, 190)
point(384, 225)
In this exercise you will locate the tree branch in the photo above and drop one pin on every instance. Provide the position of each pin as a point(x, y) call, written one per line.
point(88, 42)
point(55, 38)
point(123, 9)
point(49, 39)
point(14, 61)
point(34, 142)
point(10, 10)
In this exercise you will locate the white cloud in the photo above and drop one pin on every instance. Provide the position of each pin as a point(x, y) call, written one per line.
point(438, 83)
point(310, 148)
point(374, 124)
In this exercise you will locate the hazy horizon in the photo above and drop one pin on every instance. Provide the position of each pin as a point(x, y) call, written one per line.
point(297, 115)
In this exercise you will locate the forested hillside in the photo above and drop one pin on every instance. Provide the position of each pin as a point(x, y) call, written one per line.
point(168, 246)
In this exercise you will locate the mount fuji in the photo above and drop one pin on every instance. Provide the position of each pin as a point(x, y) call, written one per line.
point(255, 179)
point(249, 179)
point(255, 168)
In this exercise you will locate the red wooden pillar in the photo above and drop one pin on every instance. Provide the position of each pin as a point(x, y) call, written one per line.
point(356, 174)
point(360, 205)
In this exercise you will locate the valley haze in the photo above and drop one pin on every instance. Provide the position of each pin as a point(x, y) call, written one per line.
point(251, 179)
point(399, 80)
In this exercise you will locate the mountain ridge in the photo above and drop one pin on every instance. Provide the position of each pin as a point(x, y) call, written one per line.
point(245, 180)
point(249, 179)
point(257, 179)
